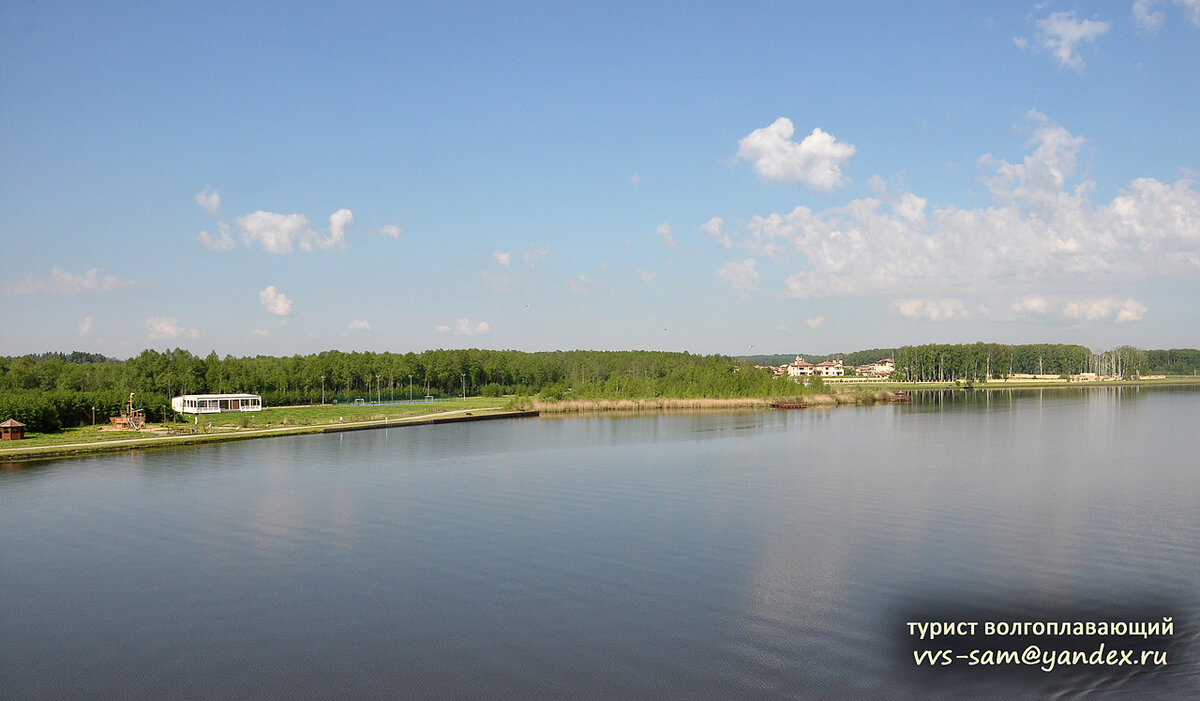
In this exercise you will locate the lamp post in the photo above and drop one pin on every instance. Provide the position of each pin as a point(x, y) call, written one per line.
point(410, 388)
point(377, 398)
point(464, 381)
point(322, 390)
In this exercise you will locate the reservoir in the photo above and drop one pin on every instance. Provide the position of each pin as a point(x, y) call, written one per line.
point(770, 554)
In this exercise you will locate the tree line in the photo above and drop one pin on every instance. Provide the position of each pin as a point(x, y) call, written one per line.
point(978, 362)
point(51, 391)
point(54, 390)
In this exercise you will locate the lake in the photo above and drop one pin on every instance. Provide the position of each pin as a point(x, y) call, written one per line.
point(776, 554)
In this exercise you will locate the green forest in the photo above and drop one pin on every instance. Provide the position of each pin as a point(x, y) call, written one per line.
point(54, 390)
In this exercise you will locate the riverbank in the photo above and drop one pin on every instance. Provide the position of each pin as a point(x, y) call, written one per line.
point(161, 439)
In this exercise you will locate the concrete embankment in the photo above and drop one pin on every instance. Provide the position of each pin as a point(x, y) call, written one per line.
point(21, 454)
point(397, 423)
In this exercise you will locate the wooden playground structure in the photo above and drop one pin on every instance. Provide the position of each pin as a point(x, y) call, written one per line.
point(131, 419)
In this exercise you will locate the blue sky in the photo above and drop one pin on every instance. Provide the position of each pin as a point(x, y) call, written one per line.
point(711, 177)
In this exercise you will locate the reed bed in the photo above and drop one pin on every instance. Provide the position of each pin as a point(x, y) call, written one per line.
point(855, 397)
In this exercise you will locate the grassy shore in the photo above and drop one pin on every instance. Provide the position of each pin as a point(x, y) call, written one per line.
point(278, 421)
point(271, 421)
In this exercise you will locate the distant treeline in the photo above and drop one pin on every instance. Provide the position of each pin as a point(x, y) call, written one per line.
point(978, 361)
point(52, 390)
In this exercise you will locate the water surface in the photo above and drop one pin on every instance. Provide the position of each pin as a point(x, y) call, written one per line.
point(761, 555)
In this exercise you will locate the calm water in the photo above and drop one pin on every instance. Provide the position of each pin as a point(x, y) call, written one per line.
point(750, 555)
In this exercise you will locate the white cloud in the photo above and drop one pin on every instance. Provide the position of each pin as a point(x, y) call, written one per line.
point(160, 327)
point(665, 237)
point(284, 233)
point(635, 179)
point(713, 228)
point(390, 230)
point(62, 281)
point(504, 259)
point(85, 326)
point(463, 327)
point(209, 201)
point(1044, 231)
point(816, 162)
point(646, 276)
point(1152, 20)
point(815, 323)
point(1030, 305)
point(1061, 33)
point(742, 277)
point(275, 301)
point(535, 254)
point(359, 325)
point(1145, 14)
point(1106, 309)
point(931, 309)
point(1131, 310)
point(1193, 10)
point(224, 242)
point(261, 333)
point(1021, 42)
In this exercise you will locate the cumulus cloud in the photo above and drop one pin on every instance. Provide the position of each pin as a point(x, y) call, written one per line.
point(1106, 309)
point(62, 281)
point(1044, 228)
point(209, 201)
point(815, 323)
point(1061, 33)
point(504, 259)
point(359, 325)
point(1146, 16)
point(463, 327)
point(275, 301)
point(742, 277)
point(284, 233)
point(160, 327)
point(391, 230)
point(931, 309)
point(1152, 19)
point(260, 333)
point(222, 242)
point(646, 276)
point(815, 162)
point(713, 229)
point(85, 326)
point(635, 179)
point(665, 237)
point(1030, 305)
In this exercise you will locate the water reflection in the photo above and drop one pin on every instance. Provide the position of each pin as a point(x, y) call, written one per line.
point(705, 555)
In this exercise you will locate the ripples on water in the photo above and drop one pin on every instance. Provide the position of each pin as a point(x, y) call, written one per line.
point(771, 554)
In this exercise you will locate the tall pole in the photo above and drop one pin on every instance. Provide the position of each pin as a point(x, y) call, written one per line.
point(377, 398)
point(410, 388)
point(322, 390)
point(464, 379)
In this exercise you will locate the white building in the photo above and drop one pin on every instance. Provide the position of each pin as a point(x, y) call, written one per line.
point(215, 403)
point(799, 367)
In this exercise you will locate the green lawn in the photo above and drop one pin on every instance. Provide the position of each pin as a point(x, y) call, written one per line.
point(268, 418)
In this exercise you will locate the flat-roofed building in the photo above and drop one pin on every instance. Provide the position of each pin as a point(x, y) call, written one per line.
point(215, 403)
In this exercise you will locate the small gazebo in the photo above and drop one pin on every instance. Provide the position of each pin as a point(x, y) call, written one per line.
point(12, 430)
